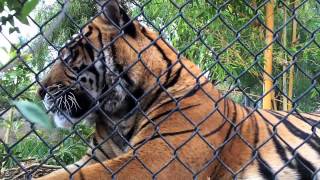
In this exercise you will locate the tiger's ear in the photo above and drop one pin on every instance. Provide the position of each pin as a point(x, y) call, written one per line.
point(110, 11)
point(114, 14)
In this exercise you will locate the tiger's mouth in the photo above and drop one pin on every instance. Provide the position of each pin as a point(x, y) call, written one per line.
point(68, 105)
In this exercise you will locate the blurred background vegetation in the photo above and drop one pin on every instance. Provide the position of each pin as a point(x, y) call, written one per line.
point(225, 38)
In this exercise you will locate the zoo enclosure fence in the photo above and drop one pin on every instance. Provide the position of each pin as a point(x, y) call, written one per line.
point(288, 40)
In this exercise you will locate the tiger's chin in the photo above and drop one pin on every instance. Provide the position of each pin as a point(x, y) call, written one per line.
point(66, 121)
point(61, 121)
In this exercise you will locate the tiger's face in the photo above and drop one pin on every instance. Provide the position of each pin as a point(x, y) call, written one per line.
point(85, 79)
point(74, 83)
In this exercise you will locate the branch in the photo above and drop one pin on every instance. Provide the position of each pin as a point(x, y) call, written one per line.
point(45, 166)
point(57, 22)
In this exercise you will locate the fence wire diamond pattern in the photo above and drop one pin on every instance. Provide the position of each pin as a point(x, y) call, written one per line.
point(231, 41)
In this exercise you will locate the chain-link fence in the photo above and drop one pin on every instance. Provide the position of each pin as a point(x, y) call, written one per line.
point(261, 54)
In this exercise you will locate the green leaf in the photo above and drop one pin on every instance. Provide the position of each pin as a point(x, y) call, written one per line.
point(34, 113)
point(25, 11)
point(28, 7)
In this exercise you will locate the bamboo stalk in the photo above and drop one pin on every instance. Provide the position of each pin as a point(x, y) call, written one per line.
point(294, 41)
point(285, 63)
point(268, 82)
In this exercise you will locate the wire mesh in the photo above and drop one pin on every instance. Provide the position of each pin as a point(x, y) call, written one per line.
point(225, 38)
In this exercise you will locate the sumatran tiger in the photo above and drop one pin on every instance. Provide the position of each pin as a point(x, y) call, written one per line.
point(158, 116)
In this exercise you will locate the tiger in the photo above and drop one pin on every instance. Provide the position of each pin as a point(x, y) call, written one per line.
point(157, 116)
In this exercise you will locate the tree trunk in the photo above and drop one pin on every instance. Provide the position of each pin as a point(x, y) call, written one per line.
point(267, 76)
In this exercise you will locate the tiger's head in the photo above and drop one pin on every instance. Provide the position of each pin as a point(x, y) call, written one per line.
point(113, 63)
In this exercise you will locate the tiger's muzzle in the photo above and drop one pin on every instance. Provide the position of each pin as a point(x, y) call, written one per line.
point(67, 104)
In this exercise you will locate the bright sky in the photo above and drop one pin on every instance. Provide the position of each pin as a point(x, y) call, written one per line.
point(26, 32)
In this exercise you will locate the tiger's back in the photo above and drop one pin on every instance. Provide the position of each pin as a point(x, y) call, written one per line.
point(226, 140)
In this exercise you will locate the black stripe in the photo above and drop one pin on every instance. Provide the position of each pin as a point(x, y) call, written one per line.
point(100, 51)
point(316, 114)
point(114, 55)
point(81, 68)
point(279, 148)
point(310, 121)
point(87, 34)
point(305, 168)
point(174, 80)
point(264, 168)
point(169, 71)
point(89, 50)
point(129, 135)
point(215, 130)
point(74, 54)
point(193, 91)
point(129, 27)
point(98, 146)
point(124, 75)
point(137, 93)
point(256, 133)
point(221, 125)
point(174, 110)
point(93, 70)
point(163, 135)
point(95, 141)
point(171, 111)
point(119, 68)
point(234, 119)
point(128, 79)
point(297, 132)
point(171, 100)
point(100, 40)
point(242, 120)
point(70, 77)
point(168, 61)
point(81, 175)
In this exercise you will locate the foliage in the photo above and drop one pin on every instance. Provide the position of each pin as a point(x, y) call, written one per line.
point(21, 10)
point(35, 147)
point(16, 80)
point(226, 39)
